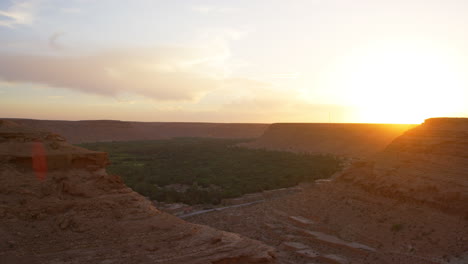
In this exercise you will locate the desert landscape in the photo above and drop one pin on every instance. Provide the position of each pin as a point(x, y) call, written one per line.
point(78, 213)
point(233, 132)
point(406, 204)
point(346, 140)
point(115, 130)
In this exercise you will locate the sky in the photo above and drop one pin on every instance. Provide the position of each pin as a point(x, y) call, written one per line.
point(360, 61)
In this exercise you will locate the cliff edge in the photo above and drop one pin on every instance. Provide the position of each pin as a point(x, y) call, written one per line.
point(428, 163)
point(349, 140)
point(114, 130)
point(58, 205)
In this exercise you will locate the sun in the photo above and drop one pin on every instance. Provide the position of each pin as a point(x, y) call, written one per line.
point(401, 84)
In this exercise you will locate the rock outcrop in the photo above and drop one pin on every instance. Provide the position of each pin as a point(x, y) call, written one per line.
point(19, 145)
point(407, 204)
point(428, 163)
point(350, 140)
point(58, 205)
point(114, 130)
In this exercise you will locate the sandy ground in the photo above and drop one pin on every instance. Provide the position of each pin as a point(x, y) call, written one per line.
point(336, 223)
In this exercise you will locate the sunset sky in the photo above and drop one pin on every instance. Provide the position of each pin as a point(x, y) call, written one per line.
point(381, 61)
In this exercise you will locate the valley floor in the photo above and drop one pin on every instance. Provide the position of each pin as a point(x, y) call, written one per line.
point(333, 223)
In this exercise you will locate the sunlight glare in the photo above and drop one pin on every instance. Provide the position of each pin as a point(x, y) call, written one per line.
point(403, 85)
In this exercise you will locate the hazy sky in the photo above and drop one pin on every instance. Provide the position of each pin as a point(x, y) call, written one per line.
point(234, 61)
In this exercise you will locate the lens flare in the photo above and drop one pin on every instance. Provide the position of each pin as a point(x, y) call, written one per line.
point(39, 160)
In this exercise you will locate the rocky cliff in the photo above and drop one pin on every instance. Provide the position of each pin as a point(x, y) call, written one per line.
point(58, 205)
point(407, 205)
point(351, 140)
point(114, 130)
point(428, 163)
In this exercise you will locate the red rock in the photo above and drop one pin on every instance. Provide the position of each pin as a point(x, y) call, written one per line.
point(428, 163)
point(80, 214)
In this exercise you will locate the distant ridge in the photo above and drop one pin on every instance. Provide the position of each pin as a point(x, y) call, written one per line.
point(116, 130)
point(343, 139)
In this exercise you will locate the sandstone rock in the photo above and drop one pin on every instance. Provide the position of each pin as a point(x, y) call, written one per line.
point(357, 213)
point(294, 245)
point(301, 220)
point(308, 253)
point(428, 163)
point(336, 240)
point(334, 259)
point(78, 215)
point(350, 140)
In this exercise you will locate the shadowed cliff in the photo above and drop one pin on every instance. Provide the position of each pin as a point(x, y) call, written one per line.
point(113, 130)
point(351, 140)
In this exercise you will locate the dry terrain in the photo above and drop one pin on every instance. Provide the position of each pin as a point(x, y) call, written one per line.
point(331, 221)
point(350, 140)
point(408, 204)
point(428, 163)
point(114, 130)
point(58, 205)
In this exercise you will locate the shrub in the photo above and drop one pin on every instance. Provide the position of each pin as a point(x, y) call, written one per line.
point(236, 170)
point(397, 227)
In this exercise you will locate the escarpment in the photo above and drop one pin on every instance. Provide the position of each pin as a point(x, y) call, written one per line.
point(407, 204)
point(115, 130)
point(428, 163)
point(350, 140)
point(77, 213)
point(18, 144)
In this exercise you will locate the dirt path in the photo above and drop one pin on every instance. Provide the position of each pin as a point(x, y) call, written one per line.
point(218, 209)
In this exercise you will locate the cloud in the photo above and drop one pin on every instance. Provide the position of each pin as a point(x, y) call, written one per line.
point(55, 96)
point(289, 75)
point(70, 10)
point(53, 40)
point(20, 13)
point(261, 99)
point(163, 73)
point(212, 9)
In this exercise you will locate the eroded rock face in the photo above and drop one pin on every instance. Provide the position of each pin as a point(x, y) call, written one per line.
point(20, 145)
point(428, 163)
point(78, 213)
point(350, 140)
point(395, 217)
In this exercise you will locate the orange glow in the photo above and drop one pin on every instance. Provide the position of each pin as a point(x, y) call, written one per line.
point(400, 84)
